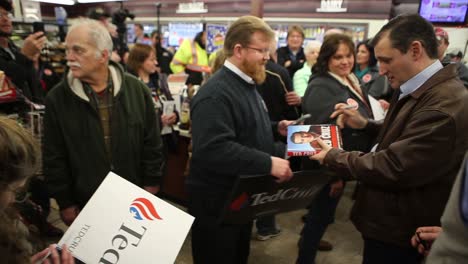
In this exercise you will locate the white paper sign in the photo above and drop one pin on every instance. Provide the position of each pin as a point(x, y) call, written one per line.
point(123, 223)
point(169, 106)
point(377, 110)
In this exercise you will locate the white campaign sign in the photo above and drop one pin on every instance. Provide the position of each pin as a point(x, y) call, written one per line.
point(123, 223)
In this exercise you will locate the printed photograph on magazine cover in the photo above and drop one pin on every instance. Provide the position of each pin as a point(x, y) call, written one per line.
point(302, 139)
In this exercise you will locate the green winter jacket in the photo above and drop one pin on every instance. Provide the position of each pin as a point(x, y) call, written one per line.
point(75, 160)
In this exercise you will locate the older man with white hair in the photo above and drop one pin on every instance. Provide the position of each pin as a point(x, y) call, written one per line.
point(98, 119)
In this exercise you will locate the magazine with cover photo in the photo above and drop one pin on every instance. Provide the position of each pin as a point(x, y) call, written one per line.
point(302, 139)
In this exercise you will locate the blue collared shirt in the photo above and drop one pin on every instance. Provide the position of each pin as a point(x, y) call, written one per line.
point(237, 71)
point(419, 79)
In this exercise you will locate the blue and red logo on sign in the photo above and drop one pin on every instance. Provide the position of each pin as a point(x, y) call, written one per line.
point(240, 202)
point(143, 209)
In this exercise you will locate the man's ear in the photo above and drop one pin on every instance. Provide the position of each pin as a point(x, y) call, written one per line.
point(105, 55)
point(416, 49)
point(237, 51)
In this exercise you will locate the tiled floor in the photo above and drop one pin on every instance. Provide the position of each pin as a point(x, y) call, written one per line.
point(283, 249)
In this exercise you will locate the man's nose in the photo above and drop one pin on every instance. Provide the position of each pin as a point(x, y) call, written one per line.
point(382, 70)
point(70, 56)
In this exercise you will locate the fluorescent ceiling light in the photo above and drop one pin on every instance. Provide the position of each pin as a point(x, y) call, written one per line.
point(60, 2)
point(98, 1)
point(191, 8)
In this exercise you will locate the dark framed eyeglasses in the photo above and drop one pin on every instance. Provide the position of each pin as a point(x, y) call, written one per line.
point(261, 51)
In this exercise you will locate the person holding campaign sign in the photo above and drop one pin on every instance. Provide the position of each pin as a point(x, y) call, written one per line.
point(98, 119)
point(232, 136)
point(19, 160)
point(332, 82)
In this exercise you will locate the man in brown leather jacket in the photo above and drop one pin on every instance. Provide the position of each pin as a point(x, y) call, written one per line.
point(407, 177)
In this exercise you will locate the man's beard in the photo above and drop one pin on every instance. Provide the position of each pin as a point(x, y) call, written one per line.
point(255, 71)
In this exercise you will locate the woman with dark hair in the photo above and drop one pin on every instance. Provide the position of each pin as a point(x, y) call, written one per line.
point(332, 82)
point(142, 63)
point(19, 159)
point(367, 72)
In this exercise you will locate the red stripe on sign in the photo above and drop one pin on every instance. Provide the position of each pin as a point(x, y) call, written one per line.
point(334, 136)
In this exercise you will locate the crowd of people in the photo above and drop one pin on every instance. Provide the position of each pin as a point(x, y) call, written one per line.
point(109, 113)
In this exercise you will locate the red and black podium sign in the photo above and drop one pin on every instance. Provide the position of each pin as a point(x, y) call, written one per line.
point(260, 195)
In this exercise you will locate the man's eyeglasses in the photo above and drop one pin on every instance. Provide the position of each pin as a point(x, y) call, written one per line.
point(261, 51)
point(6, 15)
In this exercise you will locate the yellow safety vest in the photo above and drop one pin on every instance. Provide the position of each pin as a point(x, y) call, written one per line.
point(190, 56)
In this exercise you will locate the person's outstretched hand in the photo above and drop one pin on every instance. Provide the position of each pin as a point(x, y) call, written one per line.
point(321, 155)
point(33, 45)
point(283, 127)
point(424, 237)
point(292, 98)
point(280, 169)
point(348, 117)
point(50, 255)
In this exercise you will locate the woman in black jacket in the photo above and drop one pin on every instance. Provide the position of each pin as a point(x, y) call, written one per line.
point(292, 56)
point(332, 82)
point(142, 63)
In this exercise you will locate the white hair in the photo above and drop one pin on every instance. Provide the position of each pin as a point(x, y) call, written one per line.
point(311, 45)
point(99, 36)
point(332, 31)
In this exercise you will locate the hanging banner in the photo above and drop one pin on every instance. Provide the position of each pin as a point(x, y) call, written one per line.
point(215, 37)
point(181, 31)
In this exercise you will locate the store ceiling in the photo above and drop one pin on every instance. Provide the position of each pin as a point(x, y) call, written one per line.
point(359, 9)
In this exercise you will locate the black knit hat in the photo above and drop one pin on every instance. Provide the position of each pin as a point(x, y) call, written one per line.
point(6, 5)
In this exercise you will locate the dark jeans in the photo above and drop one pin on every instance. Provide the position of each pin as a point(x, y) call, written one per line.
point(214, 242)
point(266, 224)
point(321, 213)
point(377, 252)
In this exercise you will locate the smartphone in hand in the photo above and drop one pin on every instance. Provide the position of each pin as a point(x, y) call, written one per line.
point(38, 27)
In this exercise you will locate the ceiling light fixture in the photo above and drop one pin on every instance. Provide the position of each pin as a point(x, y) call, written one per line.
point(191, 8)
point(60, 2)
point(98, 1)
